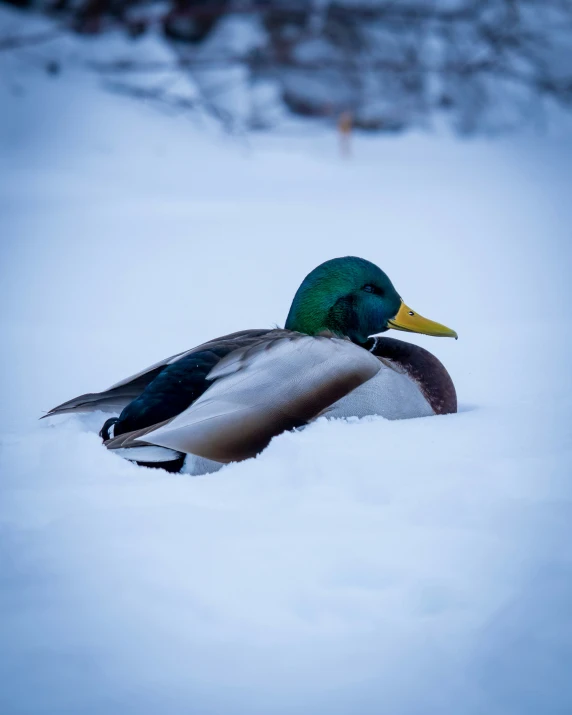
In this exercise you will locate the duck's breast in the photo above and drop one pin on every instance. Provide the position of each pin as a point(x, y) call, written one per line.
point(411, 383)
point(390, 394)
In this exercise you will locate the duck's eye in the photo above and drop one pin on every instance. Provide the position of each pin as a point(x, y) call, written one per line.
point(372, 289)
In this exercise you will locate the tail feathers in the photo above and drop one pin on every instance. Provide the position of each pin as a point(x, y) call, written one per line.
point(149, 454)
point(153, 456)
point(112, 400)
point(135, 438)
point(109, 401)
point(129, 447)
point(104, 431)
point(174, 466)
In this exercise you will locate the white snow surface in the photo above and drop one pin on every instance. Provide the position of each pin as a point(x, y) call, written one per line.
point(360, 566)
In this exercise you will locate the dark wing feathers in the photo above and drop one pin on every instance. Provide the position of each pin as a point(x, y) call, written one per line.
point(172, 391)
point(112, 400)
point(127, 439)
point(119, 395)
point(224, 400)
point(262, 390)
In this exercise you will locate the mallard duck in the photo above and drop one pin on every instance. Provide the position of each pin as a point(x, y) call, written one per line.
point(224, 400)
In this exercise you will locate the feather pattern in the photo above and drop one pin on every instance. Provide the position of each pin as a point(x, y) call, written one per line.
point(122, 393)
point(278, 383)
point(421, 367)
point(224, 400)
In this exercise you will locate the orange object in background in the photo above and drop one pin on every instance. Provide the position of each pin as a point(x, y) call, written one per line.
point(345, 126)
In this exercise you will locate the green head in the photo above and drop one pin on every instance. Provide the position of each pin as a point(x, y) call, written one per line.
point(353, 298)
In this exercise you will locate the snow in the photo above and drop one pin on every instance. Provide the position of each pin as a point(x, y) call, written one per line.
point(411, 567)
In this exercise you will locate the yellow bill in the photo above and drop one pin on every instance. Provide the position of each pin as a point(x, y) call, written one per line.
point(410, 321)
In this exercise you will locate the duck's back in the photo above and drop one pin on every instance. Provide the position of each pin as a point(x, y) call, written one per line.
point(281, 381)
point(259, 383)
point(122, 393)
point(182, 381)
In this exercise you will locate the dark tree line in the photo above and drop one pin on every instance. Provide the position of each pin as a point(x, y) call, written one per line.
point(485, 64)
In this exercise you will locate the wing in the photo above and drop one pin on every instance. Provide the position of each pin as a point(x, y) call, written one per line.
point(118, 396)
point(258, 392)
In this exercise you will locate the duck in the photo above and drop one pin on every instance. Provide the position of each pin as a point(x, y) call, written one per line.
point(224, 400)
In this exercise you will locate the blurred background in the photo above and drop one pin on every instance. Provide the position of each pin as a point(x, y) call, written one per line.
point(374, 65)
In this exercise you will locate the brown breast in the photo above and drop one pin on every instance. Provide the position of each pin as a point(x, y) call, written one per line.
point(433, 379)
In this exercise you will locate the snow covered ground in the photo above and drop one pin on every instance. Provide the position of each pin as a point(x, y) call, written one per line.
point(366, 566)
